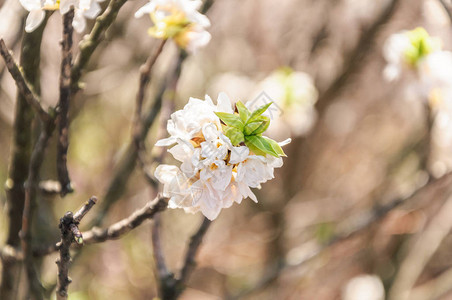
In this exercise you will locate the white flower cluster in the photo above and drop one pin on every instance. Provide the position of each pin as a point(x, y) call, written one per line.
point(415, 50)
point(214, 174)
point(295, 95)
point(179, 20)
point(82, 9)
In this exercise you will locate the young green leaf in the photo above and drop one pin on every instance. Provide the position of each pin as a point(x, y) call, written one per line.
point(234, 134)
point(258, 126)
point(232, 120)
point(244, 112)
point(259, 111)
point(277, 148)
point(261, 144)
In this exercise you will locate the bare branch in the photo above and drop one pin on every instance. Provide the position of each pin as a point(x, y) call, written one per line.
point(447, 9)
point(24, 88)
point(355, 58)
point(69, 232)
point(63, 104)
point(195, 242)
point(115, 231)
point(433, 289)
point(37, 157)
point(427, 242)
point(85, 209)
point(145, 78)
point(20, 157)
point(91, 41)
point(159, 258)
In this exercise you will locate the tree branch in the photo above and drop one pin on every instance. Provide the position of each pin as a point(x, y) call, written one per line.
point(20, 157)
point(353, 63)
point(63, 104)
point(23, 87)
point(171, 287)
point(91, 41)
point(426, 244)
point(145, 78)
point(159, 258)
point(37, 157)
point(69, 232)
point(115, 231)
point(446, 8)
point(195, 242)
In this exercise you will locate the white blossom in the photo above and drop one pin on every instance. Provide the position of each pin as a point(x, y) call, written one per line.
point(89, 9)
point(294, 95)
point(213, 173)
point(179, 20)
point(404, 50)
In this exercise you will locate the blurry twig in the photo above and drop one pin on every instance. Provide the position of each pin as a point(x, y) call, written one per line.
point(355, 57)
point(145, 77)
point(426, 244)
point(20, 157)
point(446, 8)
point(433, 289)
point(171, 287)
point(91, 41)
point(195, 242)
point(63, 104)
point(30, 205)
point(159, 258)
point(69, 232)
point(24, 88)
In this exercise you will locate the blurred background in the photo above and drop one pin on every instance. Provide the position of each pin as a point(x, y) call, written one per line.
point(352, 214)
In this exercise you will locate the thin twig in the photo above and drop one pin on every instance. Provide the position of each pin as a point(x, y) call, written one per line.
point(69, 232)
point(435, 288)
point(63, 104)
point(447, 9)
point(85, 209)
point(115, 231)
point(195, 242)
point(354, 59)
point(24, 88)
point(427, 242)
point(91, 41)
point(159, 258)
point(145, 78)
point(170, 287)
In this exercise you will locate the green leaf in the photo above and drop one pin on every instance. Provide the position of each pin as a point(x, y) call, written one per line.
point(277, 148)
point(232, 120)
point(244, 112)
point(257, 127)
point(259, 111)
point(234, 134)
point(264, 145)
